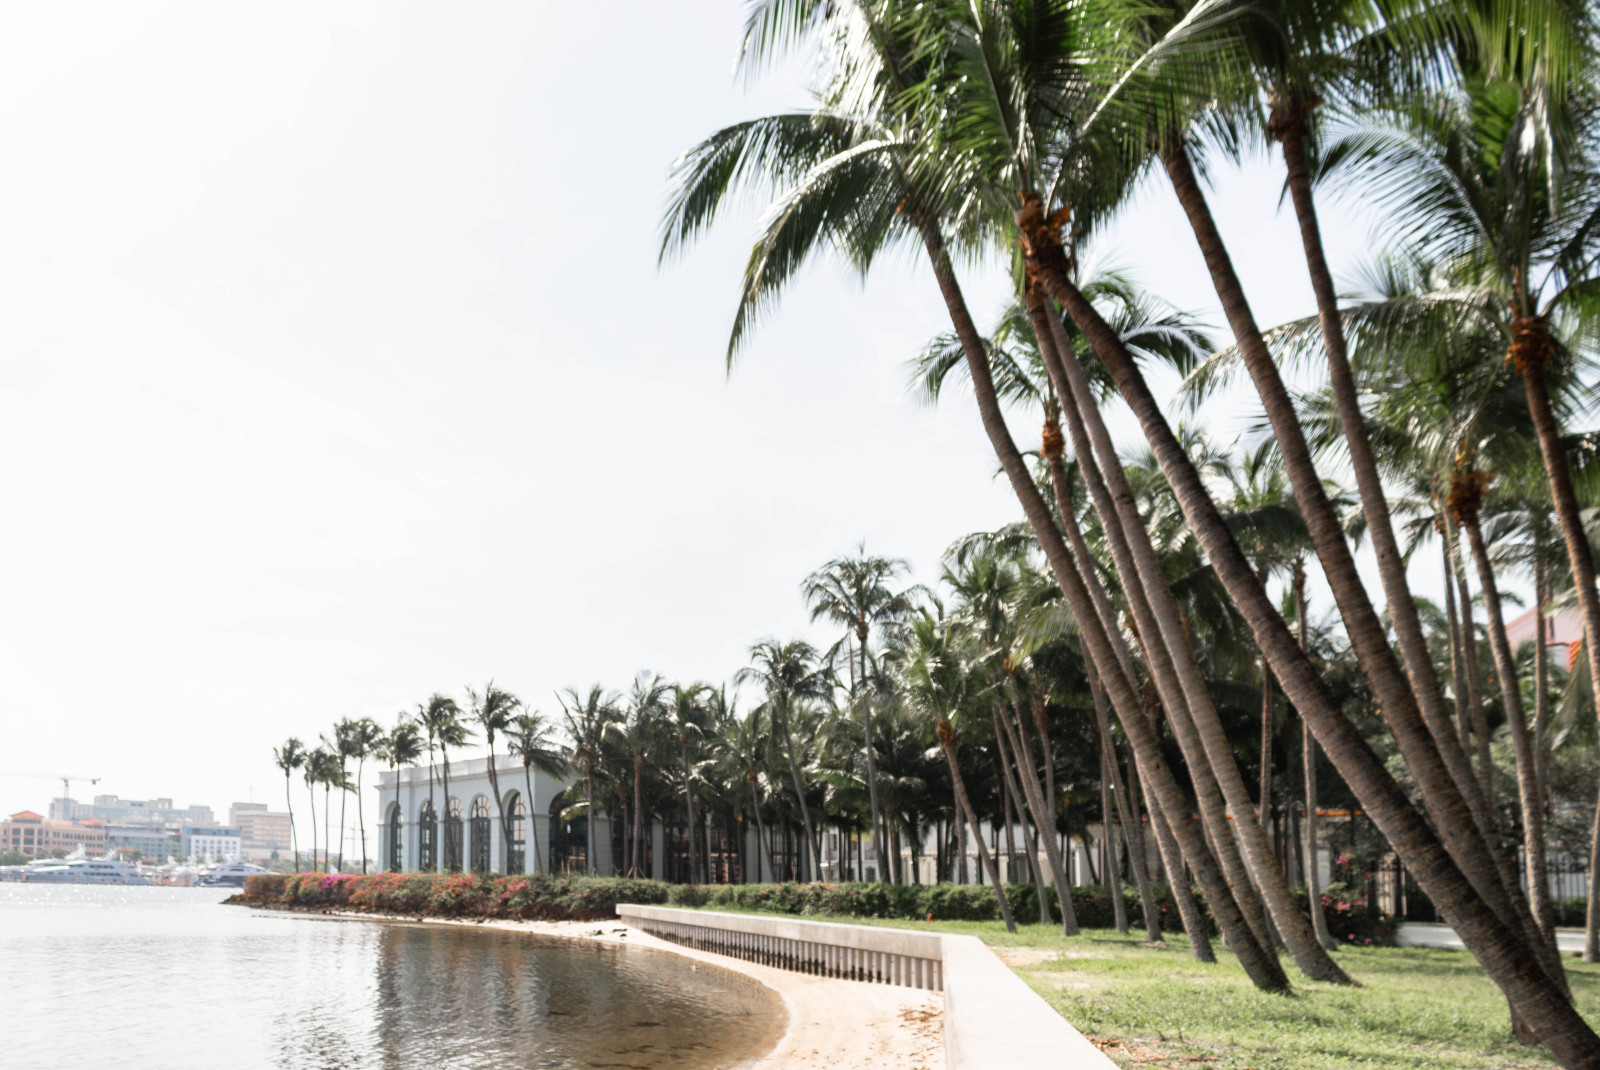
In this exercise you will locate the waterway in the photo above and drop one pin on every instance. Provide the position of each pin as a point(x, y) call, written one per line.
point(170, 979)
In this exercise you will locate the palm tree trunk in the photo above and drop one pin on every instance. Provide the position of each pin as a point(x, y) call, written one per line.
point(1176, 674)
point(1129, 820)
point(1458, 654)
point(1541, 689)
point(1565, 500)
point(688, 798)
point(638, 820)
point(533, 819)
point(762, 851)
point(1368, 635)
point(805, 811)
point(947, 742)
point(1491, 931)
point(1292, 127)
point(449, 824)
point(433, 832)
point(1475, 707)
point(1119, 909)
point(1262, 967)
point(1012, 790)
point(312, 793)
point(1308, 752)
point(327, 838)
point(1516, 719)
point(499, 805)
point(344, 794)
point(1266, 746)
point(588, 823)
point(1188, 911)
point(361, 815)
point(872, 768)
point(294, 837)
point(1036, 803)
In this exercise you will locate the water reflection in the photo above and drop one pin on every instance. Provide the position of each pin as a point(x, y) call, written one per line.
point(166, 977)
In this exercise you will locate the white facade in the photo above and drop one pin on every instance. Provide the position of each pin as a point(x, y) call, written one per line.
point(211, 844)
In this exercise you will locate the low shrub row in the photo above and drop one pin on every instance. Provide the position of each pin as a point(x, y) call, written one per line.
point(563, 897)
point(555, 898)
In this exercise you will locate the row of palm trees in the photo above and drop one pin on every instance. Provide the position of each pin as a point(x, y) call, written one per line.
point(1007, 132)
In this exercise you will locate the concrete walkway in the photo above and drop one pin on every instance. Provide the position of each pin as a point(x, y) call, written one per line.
point(1422, 934)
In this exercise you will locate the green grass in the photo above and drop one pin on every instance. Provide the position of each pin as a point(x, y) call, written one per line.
point(1417, 1009)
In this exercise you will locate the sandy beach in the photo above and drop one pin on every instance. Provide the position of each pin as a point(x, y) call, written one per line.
point(832, 1023)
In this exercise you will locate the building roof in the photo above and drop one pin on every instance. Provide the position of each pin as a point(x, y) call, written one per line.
point(27, 815)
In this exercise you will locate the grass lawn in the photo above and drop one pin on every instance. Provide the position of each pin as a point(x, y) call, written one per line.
point(1417, 1009)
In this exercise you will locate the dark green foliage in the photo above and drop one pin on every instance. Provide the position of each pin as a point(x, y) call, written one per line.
point(554, 898)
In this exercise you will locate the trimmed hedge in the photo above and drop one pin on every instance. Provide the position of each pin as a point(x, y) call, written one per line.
point(553, 898)
point(937, 902)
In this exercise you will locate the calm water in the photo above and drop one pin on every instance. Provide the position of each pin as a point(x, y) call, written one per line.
point(167, 979)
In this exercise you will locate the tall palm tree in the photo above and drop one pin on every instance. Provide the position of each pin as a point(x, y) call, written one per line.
point(587, 717)
point(856, 593)
point(939, 682)
point(312, 774)
point(531, 737)
point(493, 709)
point(346, 745)
point(748, 746)
point(323, 768)
point(790, 679)
point(289, 757)
point(365, 740)
point(401, 745)
point(686, 714)
point(440, 718)
point(639, 728)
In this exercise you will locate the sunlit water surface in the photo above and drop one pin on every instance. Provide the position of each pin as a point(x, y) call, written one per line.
point(168, 979)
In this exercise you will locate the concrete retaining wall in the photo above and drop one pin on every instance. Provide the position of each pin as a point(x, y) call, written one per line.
point(992, 1019)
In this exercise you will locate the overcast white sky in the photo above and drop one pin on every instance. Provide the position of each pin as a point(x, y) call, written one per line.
point(336, 369)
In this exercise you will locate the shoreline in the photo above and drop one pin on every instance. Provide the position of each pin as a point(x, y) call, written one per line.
point(832, 1022)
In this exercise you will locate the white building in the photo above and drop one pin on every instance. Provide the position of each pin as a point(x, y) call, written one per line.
point(472, 838)
point(211, 843)
point(265, 833)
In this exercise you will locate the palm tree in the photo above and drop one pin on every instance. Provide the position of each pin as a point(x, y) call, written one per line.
point(639, 729)
point(790, 680)
point(748, 746)
point(686, 714)
point(531, 737)
point(401, 745)
point(587, 718)
point(323, 767)
point(346, 744)
point(366, 739)
point(493, 710)
point(289, 757)
point(855, 593)
point(939, 683)
point(440, 718)
point(312, 773)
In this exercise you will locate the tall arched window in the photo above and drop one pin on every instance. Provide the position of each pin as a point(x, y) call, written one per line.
point(517, 827)
point(427, 839)
point(452, 836)
point(396, 855)
point(480, 835)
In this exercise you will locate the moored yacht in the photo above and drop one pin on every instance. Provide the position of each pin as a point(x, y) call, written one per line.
point(78, 871)
point(231, 875)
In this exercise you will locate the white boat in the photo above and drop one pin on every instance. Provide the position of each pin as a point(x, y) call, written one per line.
point(231, 875)
point(79, 871)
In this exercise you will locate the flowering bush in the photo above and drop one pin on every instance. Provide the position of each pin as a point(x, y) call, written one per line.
point(558, 898)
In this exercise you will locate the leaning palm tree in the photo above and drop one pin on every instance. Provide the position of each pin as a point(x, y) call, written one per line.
point(857, 593)
point(441, 719)
point(289, 757)
point(531, 737)
point(493, 709)
point(587, 716)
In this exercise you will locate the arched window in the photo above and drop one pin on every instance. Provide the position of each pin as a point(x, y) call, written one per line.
point(517, 826)
point(396, 855)
point(480, 835)
point(569, 840)
point(452, 836)
point(427, 839)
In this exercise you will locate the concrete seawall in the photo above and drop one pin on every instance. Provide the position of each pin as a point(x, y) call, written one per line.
point(992, 1019)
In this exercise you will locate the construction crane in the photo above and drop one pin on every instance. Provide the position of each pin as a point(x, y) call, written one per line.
point(66, 784)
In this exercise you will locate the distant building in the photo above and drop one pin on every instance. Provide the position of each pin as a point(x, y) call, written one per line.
point(147, 842)
point(210, 843)
point(41, 837)
point(118, 811)
point(264, 833)
point(1563, 634)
